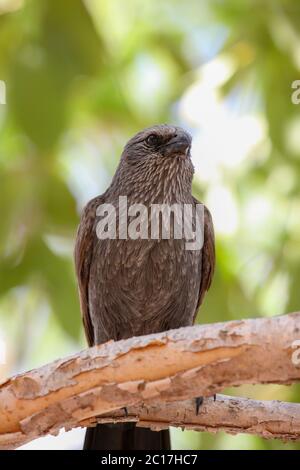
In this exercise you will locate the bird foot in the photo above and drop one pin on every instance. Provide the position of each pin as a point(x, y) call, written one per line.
point(199, 402)
point(125, 411)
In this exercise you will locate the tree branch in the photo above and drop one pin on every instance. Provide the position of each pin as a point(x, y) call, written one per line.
point(268, 419)
point(173, 365)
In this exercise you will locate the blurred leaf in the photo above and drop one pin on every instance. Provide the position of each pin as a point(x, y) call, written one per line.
point(58, 206)
point(53, 274)
point(38, 102)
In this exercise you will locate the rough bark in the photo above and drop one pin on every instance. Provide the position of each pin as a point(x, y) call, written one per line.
point(268, 419)
point(169, 366)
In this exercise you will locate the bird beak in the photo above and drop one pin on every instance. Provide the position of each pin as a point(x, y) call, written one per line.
point(178, 146)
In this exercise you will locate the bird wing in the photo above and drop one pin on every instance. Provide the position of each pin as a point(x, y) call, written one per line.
point(85, 240)
point(208, 255)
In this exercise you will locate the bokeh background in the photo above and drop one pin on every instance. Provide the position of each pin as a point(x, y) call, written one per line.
point(82, 77)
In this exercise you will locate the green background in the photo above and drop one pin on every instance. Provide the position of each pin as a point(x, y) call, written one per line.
point(82, 77)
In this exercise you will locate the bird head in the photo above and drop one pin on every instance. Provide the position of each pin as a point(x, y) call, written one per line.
point(156, 160)
point(162, 141)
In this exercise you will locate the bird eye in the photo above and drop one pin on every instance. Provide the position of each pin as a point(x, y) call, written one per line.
point(152, 140)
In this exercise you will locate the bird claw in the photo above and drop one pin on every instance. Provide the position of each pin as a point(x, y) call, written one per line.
point(199, 401)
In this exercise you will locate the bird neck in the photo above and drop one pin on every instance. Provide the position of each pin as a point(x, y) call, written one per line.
point(166, 182)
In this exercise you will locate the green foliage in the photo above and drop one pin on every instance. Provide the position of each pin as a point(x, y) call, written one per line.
point(81, 78)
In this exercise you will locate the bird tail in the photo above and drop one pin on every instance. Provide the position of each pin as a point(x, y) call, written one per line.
point(125, 436)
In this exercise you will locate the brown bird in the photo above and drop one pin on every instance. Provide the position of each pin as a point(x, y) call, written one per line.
point(131, 287)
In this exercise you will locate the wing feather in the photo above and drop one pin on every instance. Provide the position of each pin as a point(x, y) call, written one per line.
point(208, 255)
point(85, 240)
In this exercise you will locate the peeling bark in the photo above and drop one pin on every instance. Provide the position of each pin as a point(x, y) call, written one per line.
point(164, 367)
point(268, 419)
